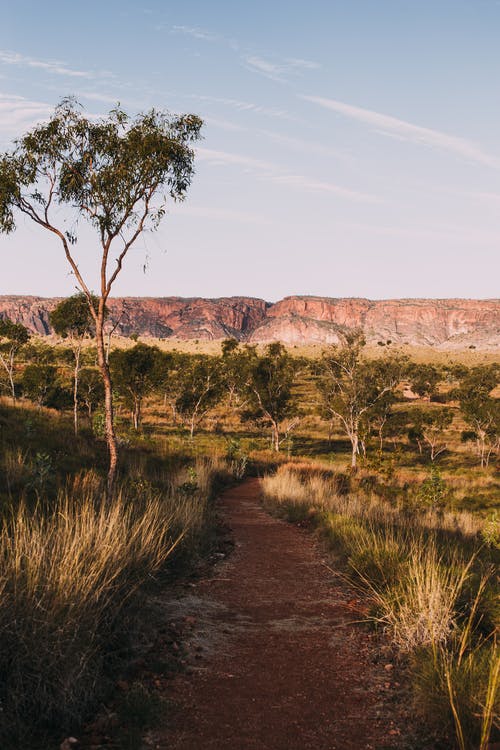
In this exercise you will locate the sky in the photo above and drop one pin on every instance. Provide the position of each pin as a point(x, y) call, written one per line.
point(351, 147)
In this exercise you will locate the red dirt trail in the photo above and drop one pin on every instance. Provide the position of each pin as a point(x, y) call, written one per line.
point(282, 666)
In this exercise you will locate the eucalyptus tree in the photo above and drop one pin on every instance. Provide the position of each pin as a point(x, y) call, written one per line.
point(13, 336)
point(269, 391)
point(480, 408)
point(115, 173)
point(136, 373)
point(200, 389)
point(351, 387)
point(429, 426)
point(90, 390)
point(71, 319)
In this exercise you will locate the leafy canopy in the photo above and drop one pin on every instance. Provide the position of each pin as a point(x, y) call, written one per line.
point(111, 172)
point(72, 317)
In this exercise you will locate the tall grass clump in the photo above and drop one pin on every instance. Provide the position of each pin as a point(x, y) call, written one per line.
point(70, 576)
point(433, 591)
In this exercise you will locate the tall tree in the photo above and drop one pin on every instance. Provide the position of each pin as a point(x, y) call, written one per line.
point(115, 173)
point(13, 336)
point(71, 319)
point(351, 386)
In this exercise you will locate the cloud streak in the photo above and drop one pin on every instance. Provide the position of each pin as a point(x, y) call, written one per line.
point(16, 113)
point(278, 70)
point(197, 33)
point(273, 173)
point(8, 57)
point(396, 128)
point(244, 106)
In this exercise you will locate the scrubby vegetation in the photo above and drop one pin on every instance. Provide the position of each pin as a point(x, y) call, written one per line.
point(75, 567)
point(432, 579)
point(394, 462)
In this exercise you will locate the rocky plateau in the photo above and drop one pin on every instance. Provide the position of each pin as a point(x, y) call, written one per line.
point(441, 323)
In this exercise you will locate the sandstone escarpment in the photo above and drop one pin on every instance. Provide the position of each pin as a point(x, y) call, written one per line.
point(444, 323)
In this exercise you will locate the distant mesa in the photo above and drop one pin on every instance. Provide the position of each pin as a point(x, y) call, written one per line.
point(443, 323)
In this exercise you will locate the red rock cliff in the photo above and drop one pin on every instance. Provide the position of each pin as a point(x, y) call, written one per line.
point(446, 323)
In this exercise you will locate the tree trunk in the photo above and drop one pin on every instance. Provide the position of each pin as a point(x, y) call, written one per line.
point(75, 389)
point(9, 368)
point(275, 439)
point(354, 455)
point(12, 386)
point(108, 405)
point(137, 413)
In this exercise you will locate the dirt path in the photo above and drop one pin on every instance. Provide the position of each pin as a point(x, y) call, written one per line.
point(278, 662)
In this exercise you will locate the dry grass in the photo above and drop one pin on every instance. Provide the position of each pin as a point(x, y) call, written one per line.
point(70, 574)
point(433, 598)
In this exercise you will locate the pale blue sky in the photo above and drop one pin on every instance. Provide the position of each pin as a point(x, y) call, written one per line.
point(352, 147)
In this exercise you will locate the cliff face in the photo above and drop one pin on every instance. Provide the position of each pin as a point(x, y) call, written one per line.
point(159, 317)
point(447, 323)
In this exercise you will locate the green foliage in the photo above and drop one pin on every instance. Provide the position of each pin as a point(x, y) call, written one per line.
point(40, 384)
point(480, 409)
point(352, 390)
point(136, 372)
point(73, 318)
point(199, 387)
point(268, 390)
point(107, 170)
point(424, 379)
point(433, 493)
point(113, 173)
point(90, 390)
point(13, 334)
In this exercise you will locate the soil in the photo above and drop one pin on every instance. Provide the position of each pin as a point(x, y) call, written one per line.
point(275, 656)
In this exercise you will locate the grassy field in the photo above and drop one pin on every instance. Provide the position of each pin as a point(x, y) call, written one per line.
point(419, 538)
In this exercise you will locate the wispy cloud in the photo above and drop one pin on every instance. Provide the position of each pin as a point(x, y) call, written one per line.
point(8, 57)
point(224, 157)
point(244, 106)
point(408, 131)
point(311, 185)
point(221, 214)
point(197, 33)
point(311, 147)
point(17, 113)
point(274, 173)
point(278, 70)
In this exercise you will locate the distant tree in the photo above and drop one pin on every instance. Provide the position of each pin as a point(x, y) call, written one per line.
point(136, 372)
point(111, 172)
point(39, 383)
point(380, 416)
point(200, 389)
point(424, 379)
point(269, 395)
point(236, 364)
point(480, 409)
point(72, 319)
point(91, 390)
point(350, 386)
point(13, 336)
point(428, 426)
